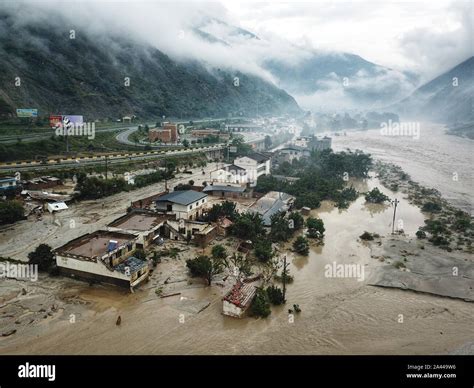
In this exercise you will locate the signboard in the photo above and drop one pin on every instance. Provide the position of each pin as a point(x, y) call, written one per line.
point(78, 120)
point(54, 120)
point(27, 112)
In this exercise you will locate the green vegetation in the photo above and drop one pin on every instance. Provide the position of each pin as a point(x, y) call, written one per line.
point(218, 252)
point(223, 209)
point(280, 228)
point(366, 236)
point(95, 188)
point(298, 220)
point(248, 226)
point(322, 177)
point(315, 228)
point(301, 245)
point(275, 295)
point(43, 257)
point(263, 250)
point(376, 196)
point(260, 306)
point(10, 212)
point(204, 267)
point(431, 207)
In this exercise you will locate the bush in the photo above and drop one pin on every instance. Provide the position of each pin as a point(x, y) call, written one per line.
point(315, 227)
point(263, 250)
point(420, 234)
point(376, 196)
point(218, 252)
point(275, 295)
point(10, 212)
point(204, 267)
point(301, 245)
point(43, 257)
point(298, 220)
point(260, 306)
point(366, 236)
point(431, 207)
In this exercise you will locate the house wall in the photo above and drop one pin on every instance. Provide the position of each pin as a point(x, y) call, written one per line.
point(254, 169)
point(232, 310)
point(232, 176)
point(190, 211)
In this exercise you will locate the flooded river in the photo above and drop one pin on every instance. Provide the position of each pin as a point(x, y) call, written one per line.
point(339, 315)
point(436, 160)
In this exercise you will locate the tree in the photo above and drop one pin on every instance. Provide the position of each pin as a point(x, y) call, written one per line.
point(275, 295)
point(263, 250)
point(260, 306)
point(191, 182)
point(11, 211)
point(376, 196)
point(43, 257)
point(239, 264)
point(248, 226)
point(315, 227)
point(298, 220)
point(204, 267)
point(218, 252)
point(185, 143)
point(280, 228)
point(301, 245)
point(268, 142)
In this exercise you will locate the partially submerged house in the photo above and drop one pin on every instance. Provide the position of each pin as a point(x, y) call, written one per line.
point(103, 256)
point(186, 204)
point(236, 302)
point(147, 225)
point(227, 191)
point(201, 233)
point(271, 203)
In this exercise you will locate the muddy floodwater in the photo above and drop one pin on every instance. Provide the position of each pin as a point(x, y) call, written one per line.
point(339, 315)
point(435, 159)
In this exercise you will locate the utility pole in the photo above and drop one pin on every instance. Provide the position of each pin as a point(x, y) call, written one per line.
point(106, 166)
point(283, 277)
point(395, 203)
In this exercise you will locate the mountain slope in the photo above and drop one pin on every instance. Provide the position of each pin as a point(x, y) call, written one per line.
point(87, 75)
point(447, 98)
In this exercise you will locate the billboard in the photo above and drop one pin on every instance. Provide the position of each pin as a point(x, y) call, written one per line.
point(75, 119)
point(54, 120)
point(27, 112)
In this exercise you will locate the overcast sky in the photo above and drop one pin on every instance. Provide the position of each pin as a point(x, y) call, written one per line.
point(426, 36)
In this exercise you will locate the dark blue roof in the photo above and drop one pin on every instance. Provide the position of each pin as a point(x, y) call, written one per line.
point(182, 197)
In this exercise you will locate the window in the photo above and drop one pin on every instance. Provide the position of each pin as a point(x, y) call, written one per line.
point(190, 207)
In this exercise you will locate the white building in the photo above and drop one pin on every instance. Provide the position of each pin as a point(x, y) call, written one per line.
point(230, 174)
point(103, 256)
point(290, 153)
point(186, 204)
point(256, 165)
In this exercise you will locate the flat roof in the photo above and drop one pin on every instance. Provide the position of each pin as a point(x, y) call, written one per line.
point(137, 221)
point(182, 197)
point(233, 189)
point(95, 244)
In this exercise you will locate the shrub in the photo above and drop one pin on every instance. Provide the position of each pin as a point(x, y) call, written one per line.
point(431, 207)
point(376, 196)
point(366, 236)
point(263, 250)
point(315, 227)
point(260, 306)
point(301, 245)
point(275, 295)
point(10, 212)
point(43, 257)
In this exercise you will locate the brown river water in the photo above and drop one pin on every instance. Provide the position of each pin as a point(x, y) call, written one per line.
point(339, 315)
point(435, 159)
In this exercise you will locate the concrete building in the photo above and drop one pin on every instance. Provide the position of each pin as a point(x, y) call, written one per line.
point(290, 153)
point(148, 226)
point(238, 299)
point(227, 191)
point(271, 203)
point(230, 174)
point(186, 204)
point(319, 144)
point(256, 164)
point(167, 133)
point(103, 256)
point(200, 233)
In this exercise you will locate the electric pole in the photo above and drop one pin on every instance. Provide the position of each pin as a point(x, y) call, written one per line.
point(283, 277)
point(395, 203)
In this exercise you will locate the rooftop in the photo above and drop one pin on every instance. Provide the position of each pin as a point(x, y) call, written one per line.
point(241, 294)
point(95, 244)
point(257, 156)
point(233, 189)
point(270, 204)
point(137, 221)
point(182, 197)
